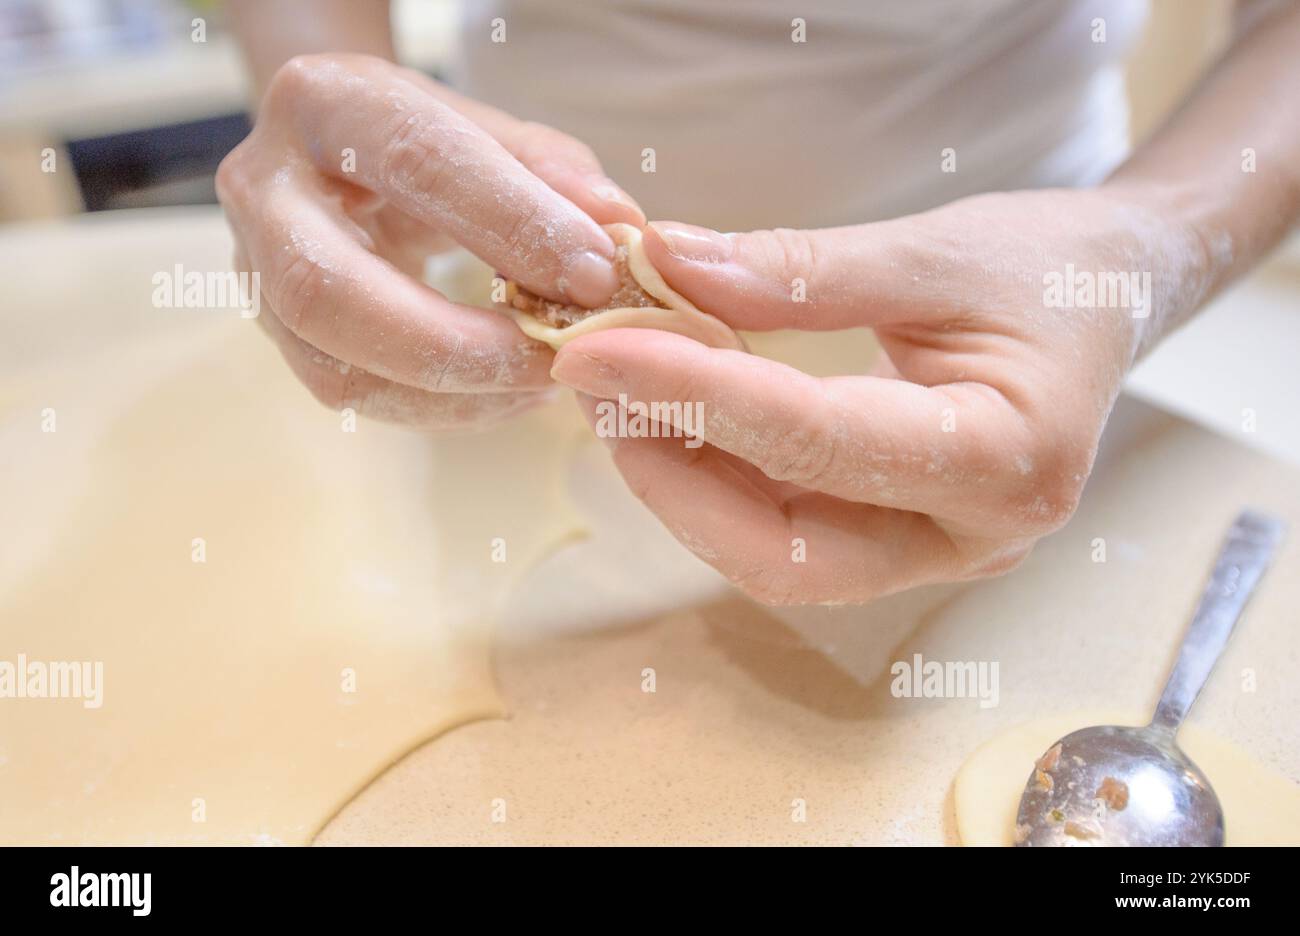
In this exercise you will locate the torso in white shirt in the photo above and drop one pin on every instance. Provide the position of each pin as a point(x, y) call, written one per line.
point(886, 108)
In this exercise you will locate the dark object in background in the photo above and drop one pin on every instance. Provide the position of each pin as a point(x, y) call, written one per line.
point(170, 165)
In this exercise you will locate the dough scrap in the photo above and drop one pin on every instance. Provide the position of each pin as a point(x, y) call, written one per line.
point(1260, 807)
point(647, 302)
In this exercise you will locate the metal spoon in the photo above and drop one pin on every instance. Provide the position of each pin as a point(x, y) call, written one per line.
point(1110, 785)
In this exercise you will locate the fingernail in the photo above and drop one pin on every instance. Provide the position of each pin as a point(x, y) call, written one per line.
point(693, 244)
point(589, 280)
point(587, 374)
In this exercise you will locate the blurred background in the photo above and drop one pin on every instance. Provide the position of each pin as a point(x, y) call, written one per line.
point(146, 96)
point(143, 98)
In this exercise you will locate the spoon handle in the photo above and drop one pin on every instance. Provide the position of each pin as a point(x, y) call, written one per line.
point(1245, 555)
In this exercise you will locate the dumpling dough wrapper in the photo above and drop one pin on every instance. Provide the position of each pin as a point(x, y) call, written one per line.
point(643, 300)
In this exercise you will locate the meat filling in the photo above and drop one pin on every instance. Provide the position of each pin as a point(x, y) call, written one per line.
point(560, 315)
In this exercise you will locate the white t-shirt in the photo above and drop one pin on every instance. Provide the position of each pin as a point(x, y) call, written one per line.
point(750, 128)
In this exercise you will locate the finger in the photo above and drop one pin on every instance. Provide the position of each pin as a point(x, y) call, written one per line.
point(437, 165)
point(780, 549)
point(950, 450)
point(565, 164)
point(570, 168)
point(340, 386)
point(819, 280)
point(336, 295)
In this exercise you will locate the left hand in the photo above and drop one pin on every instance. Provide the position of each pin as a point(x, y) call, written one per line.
point(972, 438)
point(358, 169)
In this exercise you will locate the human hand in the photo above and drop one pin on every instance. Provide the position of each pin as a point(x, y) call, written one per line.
point(972, 438)
point(356, 171)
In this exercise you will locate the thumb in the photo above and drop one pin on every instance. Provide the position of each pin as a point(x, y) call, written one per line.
point(819, 280)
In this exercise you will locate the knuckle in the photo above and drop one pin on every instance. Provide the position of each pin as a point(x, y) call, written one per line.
point(229, 179)
point(414, 158)
point(683, 387)
point(803, 456)
point(300, 284)
point(789, 253)
point(448, 371)
point(298, 78)
point(526, 232)
point(1051, 489)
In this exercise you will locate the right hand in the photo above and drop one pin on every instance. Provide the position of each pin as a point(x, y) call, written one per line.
point(340, 253)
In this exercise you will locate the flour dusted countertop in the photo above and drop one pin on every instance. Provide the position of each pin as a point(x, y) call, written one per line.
point(650, 703)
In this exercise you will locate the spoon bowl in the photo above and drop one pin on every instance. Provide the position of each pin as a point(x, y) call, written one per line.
point(1110, 785)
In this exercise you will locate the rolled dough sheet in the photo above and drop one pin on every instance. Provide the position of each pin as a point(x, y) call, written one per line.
point(1260, 807)
point(763, 728)
point(747, 735)
point(340, 618)
point(225, 716)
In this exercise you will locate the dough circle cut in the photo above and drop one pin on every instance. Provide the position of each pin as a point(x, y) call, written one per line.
point(643, 300)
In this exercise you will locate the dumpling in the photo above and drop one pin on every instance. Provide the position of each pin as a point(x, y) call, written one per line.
point(643, 300)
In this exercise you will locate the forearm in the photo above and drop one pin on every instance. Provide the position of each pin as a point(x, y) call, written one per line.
point(1224, 172)
point(273, 31)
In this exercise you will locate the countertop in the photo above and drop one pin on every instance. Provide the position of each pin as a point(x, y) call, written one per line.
point(757, 709)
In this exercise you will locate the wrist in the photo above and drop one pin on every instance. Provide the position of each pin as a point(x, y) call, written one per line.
point(1181, 242)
